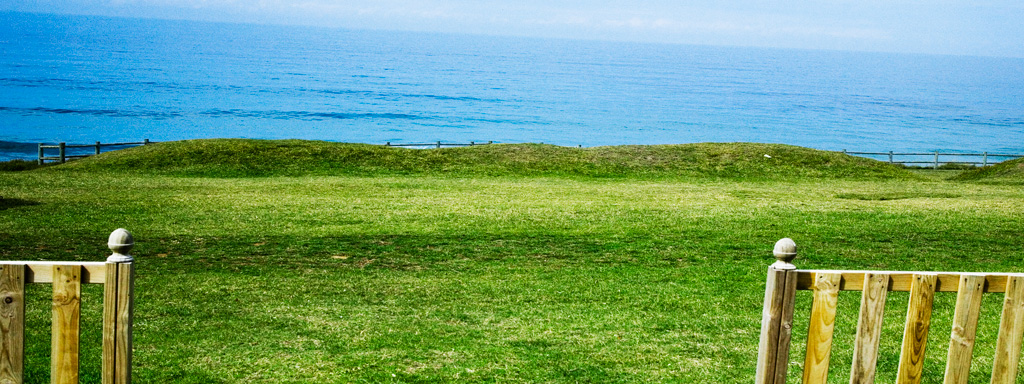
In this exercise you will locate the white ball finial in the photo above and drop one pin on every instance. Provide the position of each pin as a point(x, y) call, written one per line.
point(120, 243)
point(785, 252)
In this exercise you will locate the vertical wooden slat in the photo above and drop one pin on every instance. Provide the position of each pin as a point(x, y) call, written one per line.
point(125, 310)
point(12, 323)
point(109, 324)
point(822, 323)
point(965, 325)
point(67, 294)
point(773, 314)
point(785, 327)
point(1011, 327)
point(915, 332)
point(869, 328)
point(117, 323)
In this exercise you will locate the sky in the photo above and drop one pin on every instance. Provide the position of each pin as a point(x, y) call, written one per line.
point(953, 27)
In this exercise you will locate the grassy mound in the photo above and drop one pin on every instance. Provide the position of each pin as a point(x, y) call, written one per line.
point(254, 158)
point(1011, 171)
point(19, 165)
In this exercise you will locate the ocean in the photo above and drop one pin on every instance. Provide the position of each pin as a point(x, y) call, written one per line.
point(82, 79)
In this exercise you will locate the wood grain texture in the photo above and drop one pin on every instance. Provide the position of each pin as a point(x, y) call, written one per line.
point(915, 331)
point(42, 271)
point(901, 281)
point(822, 324)
point(66, 308)
point(771, 318)
point(786, 327)
point(1011, 327)
point(869, 328)
point(125, 313)
point(118, 305)
point(776, 326)
point(12, 323)
point(109, 359)
point(965, 326)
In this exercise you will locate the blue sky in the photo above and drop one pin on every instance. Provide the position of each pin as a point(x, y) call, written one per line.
point(957, 27)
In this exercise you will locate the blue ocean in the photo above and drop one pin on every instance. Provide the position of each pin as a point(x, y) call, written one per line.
point(82, 79)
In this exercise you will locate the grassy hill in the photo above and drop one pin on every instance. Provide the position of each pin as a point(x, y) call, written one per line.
point(256, 158)
point(390, 265)
point(1011, 171)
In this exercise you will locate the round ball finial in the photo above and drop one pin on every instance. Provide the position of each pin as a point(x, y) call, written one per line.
point(120, 243)
point(785, 252)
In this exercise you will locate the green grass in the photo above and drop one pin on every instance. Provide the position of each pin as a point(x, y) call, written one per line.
point(262, 158)
point(1007, 172)
point(439, 273)
point(19, 165)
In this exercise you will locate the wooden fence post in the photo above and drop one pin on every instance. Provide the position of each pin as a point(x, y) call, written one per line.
point(984, 159)
point(439, 144)
point(12, 323)
point(777, 316)
point(40, 153)
point(97, 147)
point(63, 152)
point(890, 157)
point(118, 304)
point(936, 160)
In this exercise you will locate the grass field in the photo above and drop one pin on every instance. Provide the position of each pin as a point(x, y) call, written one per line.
point(516, 264)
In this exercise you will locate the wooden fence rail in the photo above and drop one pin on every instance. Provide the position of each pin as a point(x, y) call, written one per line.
point(63, 156)
point(116, 274)
point(437, 144)
point(784, 280)
point(934, 160)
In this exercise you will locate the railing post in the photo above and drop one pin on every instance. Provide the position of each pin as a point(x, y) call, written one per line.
point(777, 316)
point(984, 159)
point(97, 147)
point(936, 160)
point(439, 144)
point(890, 157)
point(62, 152)
point(145, 141)
point(118, 303)
point(40, 153)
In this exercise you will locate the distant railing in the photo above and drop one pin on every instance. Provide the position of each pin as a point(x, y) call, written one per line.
point(933, 158)
point(63, 155)
point(438, 144)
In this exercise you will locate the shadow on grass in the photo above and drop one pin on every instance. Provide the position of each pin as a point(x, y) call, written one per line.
point(7, 202)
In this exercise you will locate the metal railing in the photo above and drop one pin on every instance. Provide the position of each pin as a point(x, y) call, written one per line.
point(437, 144)
point(934, 158)
point(62, 148)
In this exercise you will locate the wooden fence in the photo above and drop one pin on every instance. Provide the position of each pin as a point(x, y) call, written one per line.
point(63, 155)
point(118, 276)
point(784, 279)
point(437, 144)
point(933, 158)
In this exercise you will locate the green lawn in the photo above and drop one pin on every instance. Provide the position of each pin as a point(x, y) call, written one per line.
point(428, 276)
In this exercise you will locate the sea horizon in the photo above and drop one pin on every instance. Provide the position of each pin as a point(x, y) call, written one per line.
point(82, 79)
